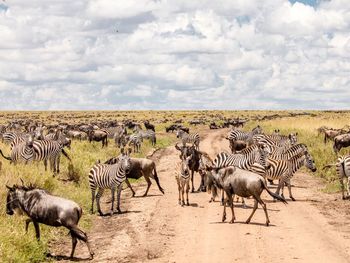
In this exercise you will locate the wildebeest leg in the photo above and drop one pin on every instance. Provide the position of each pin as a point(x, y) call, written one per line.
point(222, 197)
point(261, 202)
point(254, 209)
point(118, 196)
point(74, 244)
point(157, 180)
point(129, 185)
point(81, 235)
point(224, 213)
point(27, 223)
point(148, 184)
point(192, 174)
point(98, 196)
point(230, 201)
point(187, 190)
point(37, 230)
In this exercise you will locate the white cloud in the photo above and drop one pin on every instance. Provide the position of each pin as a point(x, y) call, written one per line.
point(104, 54)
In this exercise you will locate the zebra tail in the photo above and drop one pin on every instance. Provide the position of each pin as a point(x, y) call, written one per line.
point(66, 155)
point(276, 196)
point(328, 166)
point(7, 158)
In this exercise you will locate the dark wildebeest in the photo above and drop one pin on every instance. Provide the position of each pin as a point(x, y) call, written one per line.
point(194, 162)
point(237, 145)
point(149, 126)
point(44, 208)
point(98, 136)
point(235, 181)
point(341, 141)
point(330, 134)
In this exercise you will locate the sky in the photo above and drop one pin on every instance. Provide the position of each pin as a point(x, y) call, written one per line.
point(167, 54)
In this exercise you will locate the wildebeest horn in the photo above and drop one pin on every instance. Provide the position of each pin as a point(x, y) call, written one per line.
point(8, 187)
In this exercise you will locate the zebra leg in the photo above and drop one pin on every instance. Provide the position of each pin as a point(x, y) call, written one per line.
point(187, 190)
point(348, 182)
point(254, 209)
point(179, 188)
point(118, 196)
point(280, 185)
point(341, 180)
point(45, 164)
point(58, 159)
point(112, 207)
point(98, 196)
point(183, 194)
point(290, 190)
point(92, 200)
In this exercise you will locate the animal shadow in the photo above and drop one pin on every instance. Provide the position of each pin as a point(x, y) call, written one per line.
point(62, 257)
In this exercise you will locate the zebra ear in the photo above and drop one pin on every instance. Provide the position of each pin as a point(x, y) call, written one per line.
point(21, 181)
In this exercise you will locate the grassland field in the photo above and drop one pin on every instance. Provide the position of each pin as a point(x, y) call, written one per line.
point(16, 246)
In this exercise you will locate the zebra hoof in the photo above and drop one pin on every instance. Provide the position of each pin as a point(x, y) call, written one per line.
point(267, 223)
point(247, 222)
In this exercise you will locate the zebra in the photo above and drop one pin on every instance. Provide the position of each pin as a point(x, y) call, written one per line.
point(183, 177)
point(276, 140)
point(135, 140)
point(49, 150)
point(244, 159)
point(284, 152)
point(283, 170)
point(343, 170)
point(108, 176)
point(21, 152)
point(188, 138)
point(147, 134)
point(238, 135)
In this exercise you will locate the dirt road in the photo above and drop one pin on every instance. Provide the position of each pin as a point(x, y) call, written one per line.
point(315, 228)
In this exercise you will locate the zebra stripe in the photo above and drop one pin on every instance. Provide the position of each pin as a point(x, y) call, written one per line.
point(188, 138)
point(106, 176)
point(343, 171)
point(238, 135)
point(182, 177)
point(244, 159)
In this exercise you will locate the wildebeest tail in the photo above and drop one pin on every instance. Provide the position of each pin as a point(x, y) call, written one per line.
point(66, 155)
point(157, 180)
point(276, 196)
point(7, 158)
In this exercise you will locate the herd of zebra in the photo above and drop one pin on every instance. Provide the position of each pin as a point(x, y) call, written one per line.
point(254, 153)
point(255, 158)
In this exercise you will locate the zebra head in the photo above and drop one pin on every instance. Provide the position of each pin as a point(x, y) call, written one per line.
point(124, 160)
point(293, 138)
point(185, 166)
point(264, 151)
point(309, 162)
point(179, 133)
point(257, 130)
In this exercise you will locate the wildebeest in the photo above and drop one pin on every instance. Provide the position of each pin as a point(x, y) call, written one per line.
point(149, 126)
point(235, 181)
point(98, 136)
point(237, 145)
point(42, 207)
point(341, 141)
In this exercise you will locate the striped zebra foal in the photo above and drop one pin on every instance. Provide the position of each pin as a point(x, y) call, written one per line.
point(135, 140)
point(182, 177)
point(188, 138)
point(343, 171)
point(108, 176)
